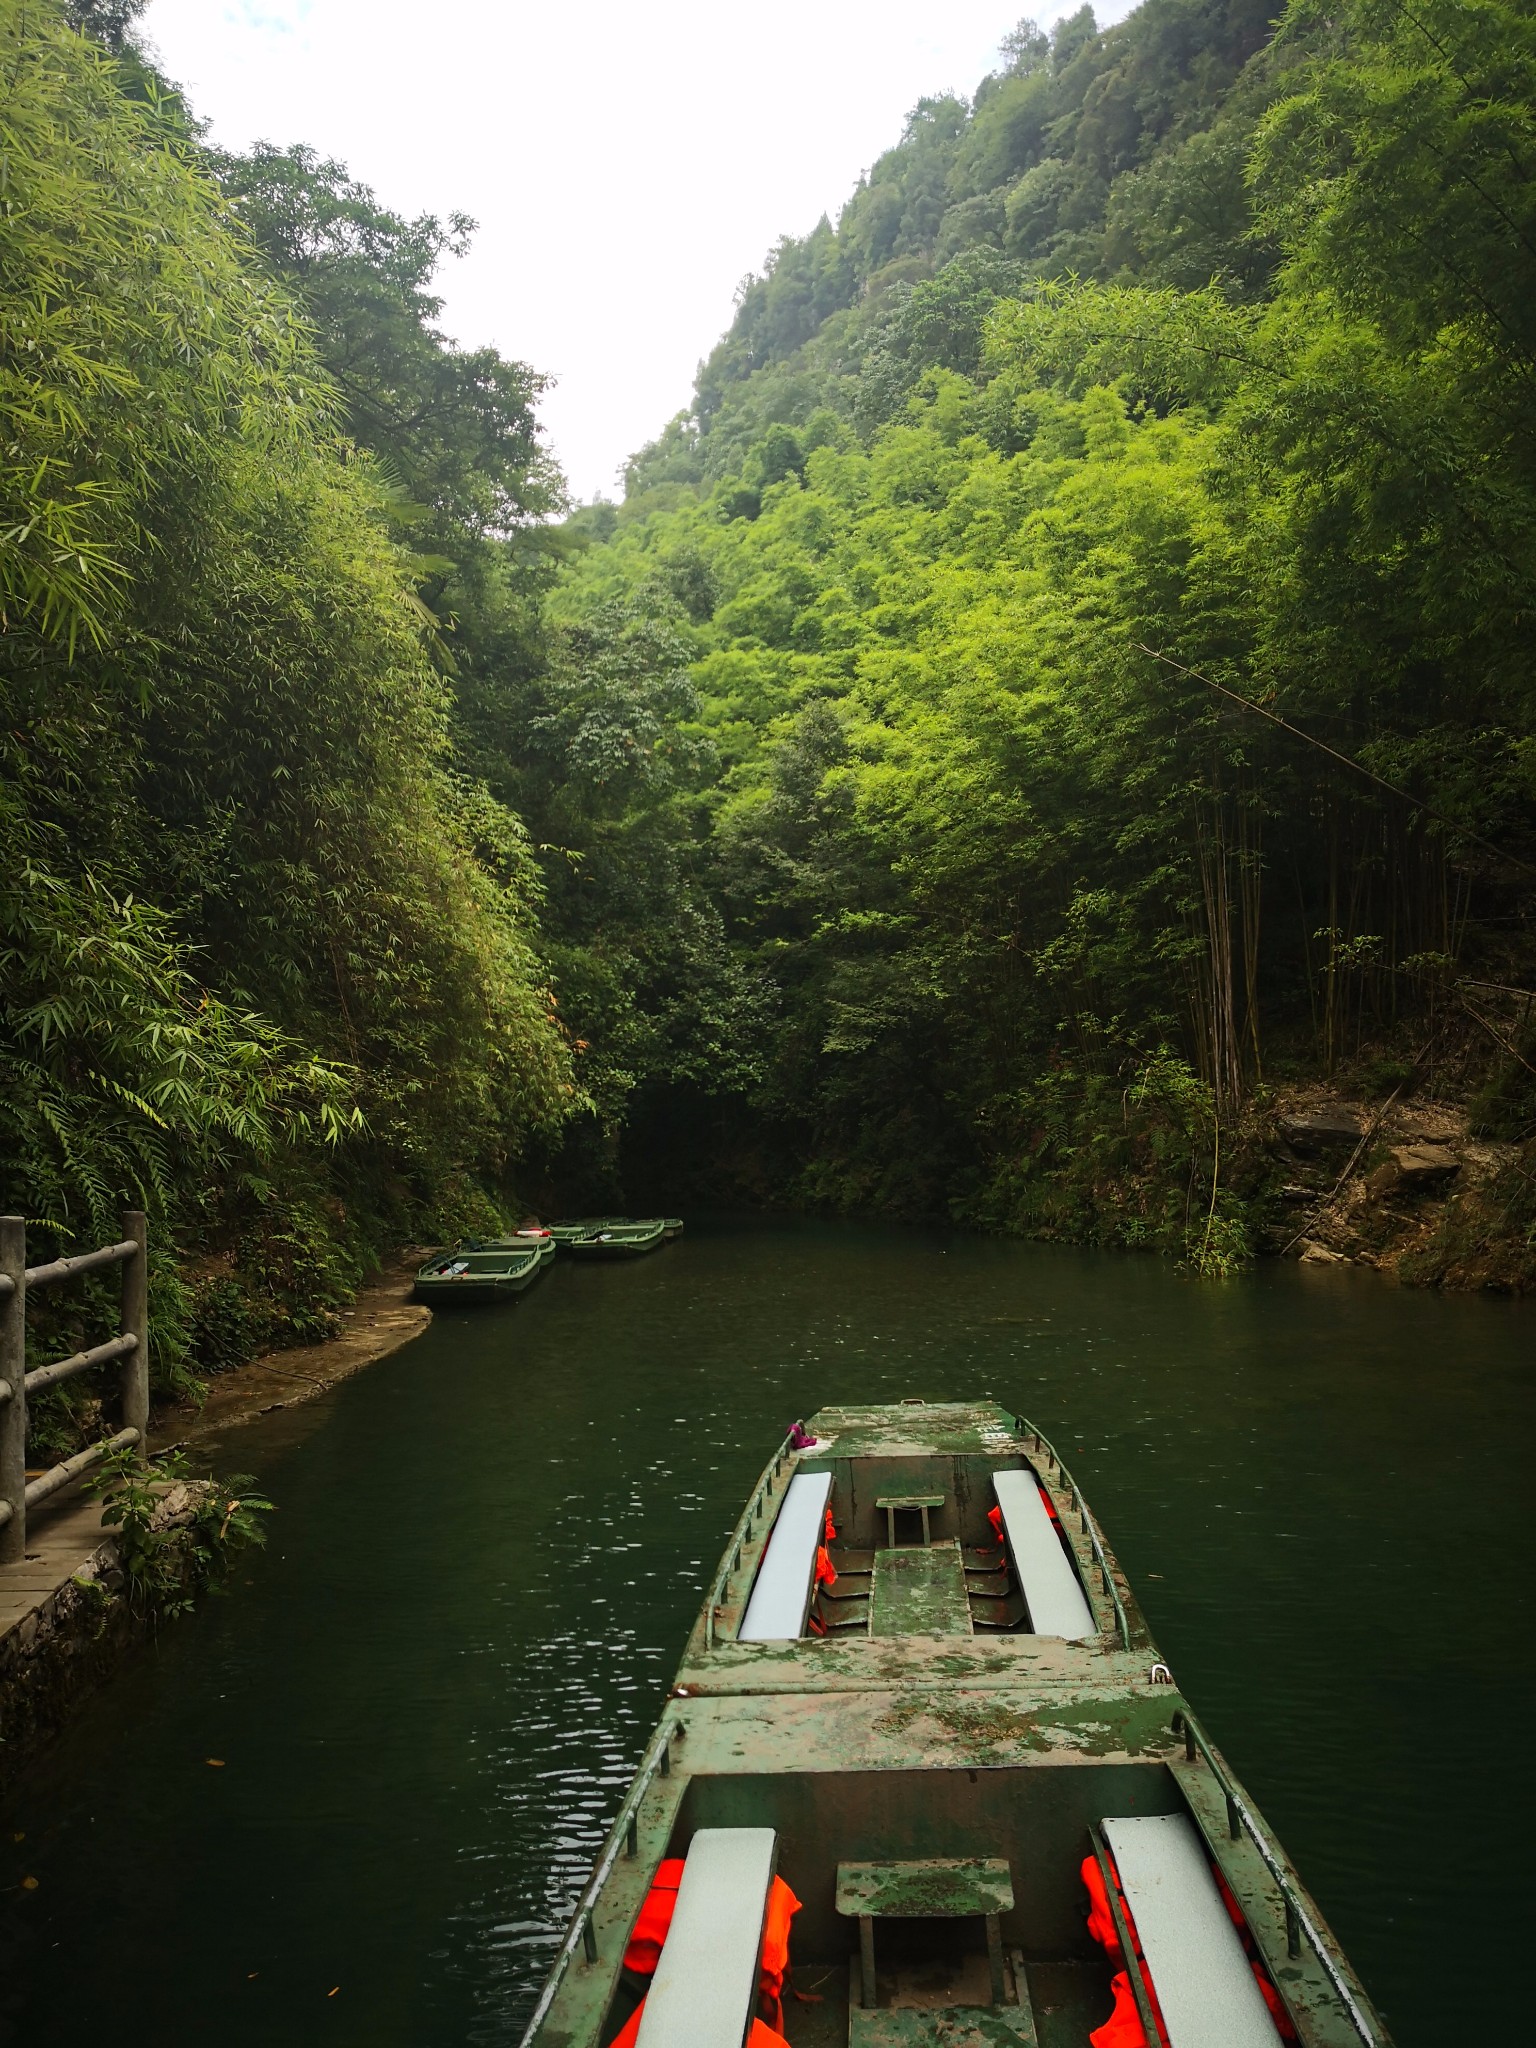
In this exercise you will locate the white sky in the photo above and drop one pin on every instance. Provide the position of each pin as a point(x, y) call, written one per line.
point(627, 164)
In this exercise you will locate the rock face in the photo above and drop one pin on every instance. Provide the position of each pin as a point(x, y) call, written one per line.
point(1321, 1131)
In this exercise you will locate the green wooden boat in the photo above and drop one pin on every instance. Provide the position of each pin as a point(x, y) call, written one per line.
point(483, 1270)
point(611, 1237)
point(542, 1241)
point(968, 1761)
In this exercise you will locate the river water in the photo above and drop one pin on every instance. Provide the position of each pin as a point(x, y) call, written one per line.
point(425, 1697)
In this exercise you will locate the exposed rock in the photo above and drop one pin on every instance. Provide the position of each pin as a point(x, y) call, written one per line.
point(1408, 1169)
point(1315, 1254)
point(1321, 1130)
point(1424, 1163)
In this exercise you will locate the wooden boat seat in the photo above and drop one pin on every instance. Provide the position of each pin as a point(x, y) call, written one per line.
point(705, 1987)
point(1052, 1591)
point(895, 1504)
point(781, 1594)
point(1195, 1959)
point(994, 2011)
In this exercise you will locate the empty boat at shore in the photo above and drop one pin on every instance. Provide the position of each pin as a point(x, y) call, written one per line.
point(923, 1765)
point(615, 1237)
point(485, 1269)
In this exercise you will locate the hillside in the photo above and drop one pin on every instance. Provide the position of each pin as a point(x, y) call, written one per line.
point(1085, 154)
point(1102, 563)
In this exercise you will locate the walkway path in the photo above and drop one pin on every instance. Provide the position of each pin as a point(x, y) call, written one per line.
point(58, 1544)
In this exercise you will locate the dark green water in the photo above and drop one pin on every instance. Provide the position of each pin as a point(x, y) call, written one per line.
point(430, 1691)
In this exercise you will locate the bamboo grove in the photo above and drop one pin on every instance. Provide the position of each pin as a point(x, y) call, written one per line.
point(1067, 673)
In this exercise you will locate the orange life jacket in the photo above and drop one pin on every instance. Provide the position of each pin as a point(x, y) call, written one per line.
point(655, 1919)
point(995, 1515)
point(1123, 2028)
point(831, 1527)
point(1101, 1926)
point(1284, 2024)
point(629, 2033)
point(826, 1575)
point(773, 1966)
point(1101, 1921)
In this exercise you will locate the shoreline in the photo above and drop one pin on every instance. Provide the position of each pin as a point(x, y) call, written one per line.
point(380, 1321)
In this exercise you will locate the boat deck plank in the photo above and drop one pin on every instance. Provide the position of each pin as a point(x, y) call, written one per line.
point(781, 1595)
point(998, 2026)
point(919, 1593)
point(1057, 1603)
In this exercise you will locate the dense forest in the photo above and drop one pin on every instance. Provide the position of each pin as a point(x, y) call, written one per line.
point(1066, 681)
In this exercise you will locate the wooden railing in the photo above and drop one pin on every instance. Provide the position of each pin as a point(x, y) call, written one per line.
point(130, 1346)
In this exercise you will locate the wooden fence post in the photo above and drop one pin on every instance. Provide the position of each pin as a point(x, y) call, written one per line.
point(136, 1323)
point(13, 1387)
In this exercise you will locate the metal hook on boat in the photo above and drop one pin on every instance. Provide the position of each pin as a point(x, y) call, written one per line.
point(1159, 1675)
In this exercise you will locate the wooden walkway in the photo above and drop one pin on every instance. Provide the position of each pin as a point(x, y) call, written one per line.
point(60, 1540)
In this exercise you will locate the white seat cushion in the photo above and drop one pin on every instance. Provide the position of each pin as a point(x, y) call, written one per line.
point(1194, 1954)
point(705, 1985)
point(1057, 1604)
point(781, 1597)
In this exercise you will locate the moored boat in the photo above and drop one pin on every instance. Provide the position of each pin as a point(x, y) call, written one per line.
point(613, 1237)
point(483, 1270)
point(536, 1239)
point(921, 1724)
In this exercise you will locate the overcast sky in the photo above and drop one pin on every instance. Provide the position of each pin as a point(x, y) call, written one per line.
point(627, 164)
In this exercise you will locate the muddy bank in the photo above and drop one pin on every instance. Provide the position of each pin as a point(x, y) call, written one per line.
point(381, 1319)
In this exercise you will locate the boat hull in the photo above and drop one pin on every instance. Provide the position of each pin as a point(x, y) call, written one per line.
point(614, 1248)
point(495, 1270)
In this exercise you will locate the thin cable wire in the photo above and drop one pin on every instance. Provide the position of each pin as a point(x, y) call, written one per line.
point(1344, 760)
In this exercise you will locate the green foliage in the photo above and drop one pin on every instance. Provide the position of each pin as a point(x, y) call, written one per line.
point(1087, 154)
point(1071, 658)
point(1039, 897)
point(270, 955)
point(166, 1562)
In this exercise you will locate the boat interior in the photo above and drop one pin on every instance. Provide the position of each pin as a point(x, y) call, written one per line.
point(935, 1544)
point(988, 1942)
point(482, 1261)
